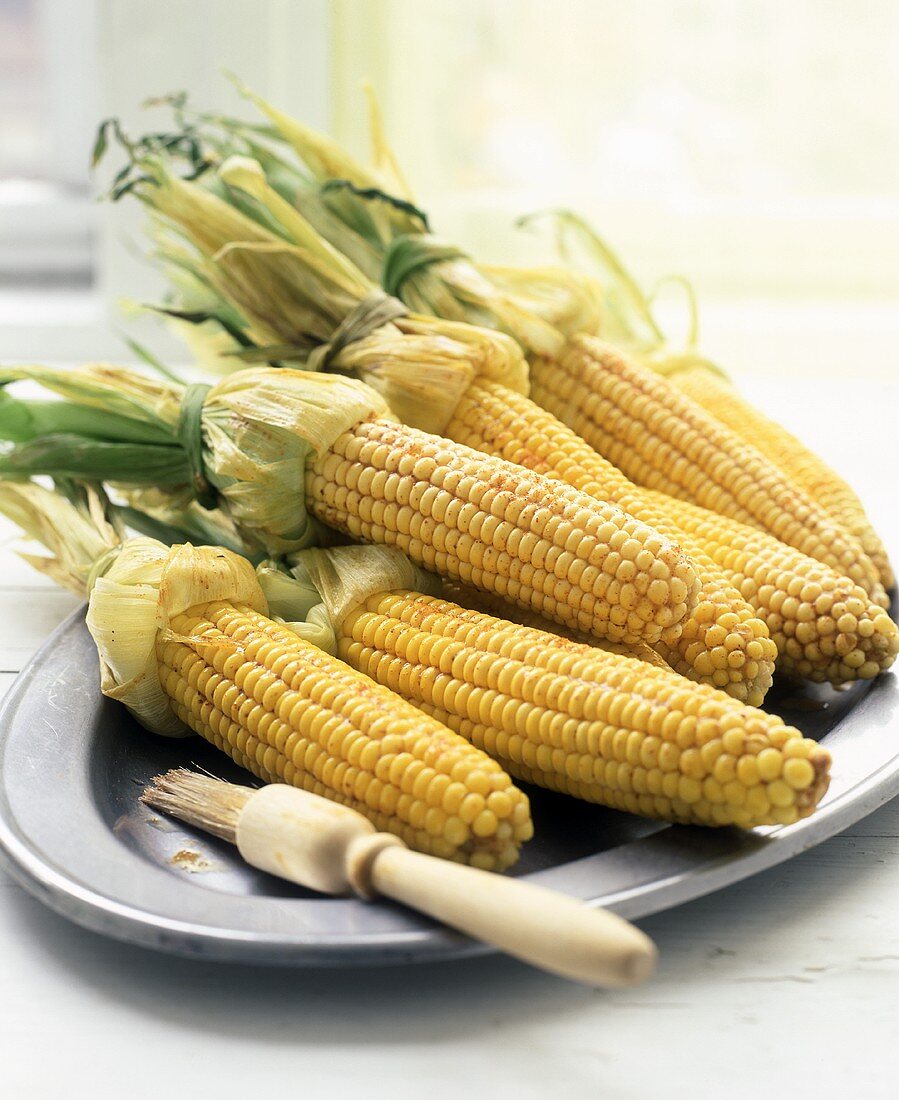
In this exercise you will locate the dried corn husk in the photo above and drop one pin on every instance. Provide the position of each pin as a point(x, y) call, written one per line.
point(539, 307)
point(135, 587)
point(260, 429)
point(420, 365)
point(78, 534)
point(423, 367)
point(301, 301)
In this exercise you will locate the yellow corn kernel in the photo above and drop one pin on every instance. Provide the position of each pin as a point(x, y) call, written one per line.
point(576, 719)
point(492, 525)
point(662, 440)
point(527, 620)
point(802, 466)
point(323, 727)
point(723, 641)
point(825, 627)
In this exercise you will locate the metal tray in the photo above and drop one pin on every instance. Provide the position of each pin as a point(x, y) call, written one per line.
point(72, 765)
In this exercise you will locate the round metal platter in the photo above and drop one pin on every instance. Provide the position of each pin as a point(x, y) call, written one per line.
point(72, 765)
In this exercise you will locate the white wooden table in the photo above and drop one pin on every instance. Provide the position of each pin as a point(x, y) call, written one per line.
point(784, 985)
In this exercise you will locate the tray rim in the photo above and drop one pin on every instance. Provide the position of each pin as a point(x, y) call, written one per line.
point(91, 909)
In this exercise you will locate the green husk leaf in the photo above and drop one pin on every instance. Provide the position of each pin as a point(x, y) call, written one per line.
point(73, 456)
point(298, 606)
point(201, 317)
point(375, 194)
point(273, 354)
point(23, 420)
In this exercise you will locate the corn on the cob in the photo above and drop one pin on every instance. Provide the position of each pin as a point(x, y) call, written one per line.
point(537, 307)
point(282, 448)
point(720, 398)
point(567, 716)
point(723, 642)
point(593, 725)
point(739, 567)
point(423, 368)
point(185, 643)
point(488, 523)
point(824, 626)
point(662, 440)
point(290, 713)
point(479, 521)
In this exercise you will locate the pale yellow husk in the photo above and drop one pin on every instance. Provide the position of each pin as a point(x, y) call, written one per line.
point(77, 538)
point(323, 586)
point(143, 588)
point(422, 367)
point(135, 587)
point(261, 428)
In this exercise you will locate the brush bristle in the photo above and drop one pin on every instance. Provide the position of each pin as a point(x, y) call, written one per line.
point(200, 800)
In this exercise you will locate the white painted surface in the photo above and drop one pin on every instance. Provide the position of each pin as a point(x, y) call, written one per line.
point(786, 985)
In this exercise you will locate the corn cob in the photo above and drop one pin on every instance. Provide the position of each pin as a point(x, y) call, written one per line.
point(536, 307)
point(501, 528)
point(531, 623)
point(751, 569)
point(741, 657)
point(718, 397)
point(559, 712)
point(547, 297)
point(662, 440)
point(290, 713)
point(824, 626)
point(185, 644)
point(590, 724)
point(723, 642)
point(281, 449)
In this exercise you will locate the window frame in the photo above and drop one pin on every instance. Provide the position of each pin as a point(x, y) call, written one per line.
point(47, 225)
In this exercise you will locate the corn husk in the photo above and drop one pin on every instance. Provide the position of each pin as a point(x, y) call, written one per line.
point(175, 516)
point(77, 533)
point(141, 401)
point(260, 429)
point(135, 587)
point(364, 214)
point(540, 308)
point(315, 590)
point(297, 604)
point(422, 367)
point(259, 282)
point(141, 591)
point(570, 301)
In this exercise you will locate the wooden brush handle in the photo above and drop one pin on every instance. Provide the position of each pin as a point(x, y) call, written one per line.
point(539, 926)
point(332, 848)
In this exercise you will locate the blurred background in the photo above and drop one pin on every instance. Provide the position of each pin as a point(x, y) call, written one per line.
point(750, 145)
